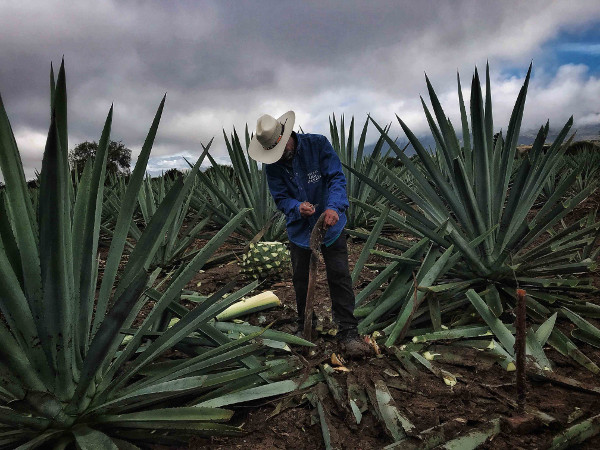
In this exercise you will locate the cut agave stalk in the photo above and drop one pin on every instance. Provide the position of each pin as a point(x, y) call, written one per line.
point(259, 302)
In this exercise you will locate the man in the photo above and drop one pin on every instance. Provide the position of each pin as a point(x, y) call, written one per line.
point(305, 178)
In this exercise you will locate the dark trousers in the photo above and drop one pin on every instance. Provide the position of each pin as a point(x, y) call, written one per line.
point(338, 278)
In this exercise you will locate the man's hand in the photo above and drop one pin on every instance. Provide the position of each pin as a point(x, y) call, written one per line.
point(306, 209)
point(331, 218)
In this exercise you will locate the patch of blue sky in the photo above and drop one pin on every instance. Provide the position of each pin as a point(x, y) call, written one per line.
point(570, 46)
point(584, 48)
point(577, 46)
point(158, 165)
point(517, 71)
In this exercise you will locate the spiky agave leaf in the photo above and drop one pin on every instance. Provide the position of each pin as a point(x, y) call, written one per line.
point(584, 154)
point(358, 191)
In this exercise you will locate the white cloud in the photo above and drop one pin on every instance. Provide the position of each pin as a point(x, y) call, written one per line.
point(31, 144)
point(569, 92)
point(223, 64)
point(158, 165)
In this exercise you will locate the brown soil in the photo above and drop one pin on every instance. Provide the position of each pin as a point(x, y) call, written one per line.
point(484, 390)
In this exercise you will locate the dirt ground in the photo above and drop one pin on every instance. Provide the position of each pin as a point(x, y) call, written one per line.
point(484, 390)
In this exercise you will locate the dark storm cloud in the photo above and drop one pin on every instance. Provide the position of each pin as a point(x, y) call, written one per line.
point(223, 63)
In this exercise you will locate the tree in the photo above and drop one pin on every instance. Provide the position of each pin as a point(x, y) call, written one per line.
point(173, 174)
point(226, 169)
point(118, 159)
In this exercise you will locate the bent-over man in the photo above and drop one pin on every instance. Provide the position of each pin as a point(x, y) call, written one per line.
point(305, 178)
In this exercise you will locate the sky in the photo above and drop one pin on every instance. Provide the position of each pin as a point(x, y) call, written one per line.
point(224, 63)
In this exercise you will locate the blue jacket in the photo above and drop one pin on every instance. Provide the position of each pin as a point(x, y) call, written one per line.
point(316, 176)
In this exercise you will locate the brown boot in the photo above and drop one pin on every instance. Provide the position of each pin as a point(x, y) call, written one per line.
point(353, 345)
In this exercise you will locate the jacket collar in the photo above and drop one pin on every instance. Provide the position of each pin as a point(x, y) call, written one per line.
point(298, 149)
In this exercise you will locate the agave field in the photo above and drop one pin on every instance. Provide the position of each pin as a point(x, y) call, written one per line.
point(139, 312)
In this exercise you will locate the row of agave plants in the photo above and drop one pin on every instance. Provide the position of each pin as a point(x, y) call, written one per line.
point(219, 193)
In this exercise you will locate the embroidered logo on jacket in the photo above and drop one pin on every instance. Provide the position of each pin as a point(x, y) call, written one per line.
point(314, 176)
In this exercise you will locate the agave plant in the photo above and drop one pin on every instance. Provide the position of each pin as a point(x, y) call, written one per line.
point(225, 195)
point(356, 158)
point(500, 242)
point(65, 373)
point(177, 240)
point(587, 155)
point(115, 187)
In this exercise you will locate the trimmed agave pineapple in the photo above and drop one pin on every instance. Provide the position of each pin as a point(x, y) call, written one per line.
point(265, 259)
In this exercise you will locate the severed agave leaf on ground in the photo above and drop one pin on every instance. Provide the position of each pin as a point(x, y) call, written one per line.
point(274, 335)
point(448, 378)
point(357, 398)
point(396, 423)
point(475, 437)
point(333, 385)
point(577, 434)
point(391, 373)
point(269, 390)
point(470, 331)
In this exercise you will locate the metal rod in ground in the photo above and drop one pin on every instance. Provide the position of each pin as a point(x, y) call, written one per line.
point(316, 239)
point(520, 350)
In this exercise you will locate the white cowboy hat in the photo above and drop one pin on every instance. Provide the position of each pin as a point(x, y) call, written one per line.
point(272, 134)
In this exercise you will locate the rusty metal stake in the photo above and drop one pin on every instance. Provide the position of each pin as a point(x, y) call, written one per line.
point(520, 350)
point(316, 239)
